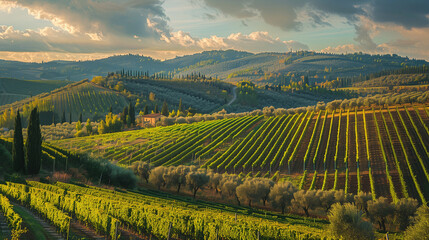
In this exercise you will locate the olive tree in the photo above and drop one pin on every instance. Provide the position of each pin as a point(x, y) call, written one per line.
point(379, 210)
point(361, 201)
point(421, 225)
point(197, 179)
point(141, 169)
point(255, 189)
point(228, 186)
point(405, 208)
point(306, 200)
point(156, 176)
point(281, 195)
point(346, 222)
point(326, 198)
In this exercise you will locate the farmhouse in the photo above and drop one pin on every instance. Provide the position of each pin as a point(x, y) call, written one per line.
point(150, 119)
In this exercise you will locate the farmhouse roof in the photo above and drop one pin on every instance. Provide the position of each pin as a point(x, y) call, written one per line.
point(153, 115)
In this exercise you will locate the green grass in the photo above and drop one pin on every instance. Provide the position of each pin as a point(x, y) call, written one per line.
point(37, 230)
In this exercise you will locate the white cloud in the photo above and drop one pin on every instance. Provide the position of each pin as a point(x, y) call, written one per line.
point(253, 42)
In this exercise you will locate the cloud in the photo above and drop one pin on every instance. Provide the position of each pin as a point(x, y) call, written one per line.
point(125, 18)
point(285, 13)
point(408, 14)
point(253, 42)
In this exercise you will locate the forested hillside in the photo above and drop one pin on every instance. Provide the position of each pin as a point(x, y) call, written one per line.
point(273, 68)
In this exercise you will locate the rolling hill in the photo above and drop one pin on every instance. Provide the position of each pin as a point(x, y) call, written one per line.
point(12, 90)
point(82, 97)
point(376, 150)
point(221, 64)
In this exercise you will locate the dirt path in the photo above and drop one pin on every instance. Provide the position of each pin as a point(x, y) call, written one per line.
point(234, 96)
point(38, 227)
point(5, 231)
point(83, 231)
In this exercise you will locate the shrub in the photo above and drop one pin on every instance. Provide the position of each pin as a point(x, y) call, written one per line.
point(347, 223)
point(420, 227)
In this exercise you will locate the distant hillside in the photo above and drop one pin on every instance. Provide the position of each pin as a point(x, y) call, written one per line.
point(83, 97)
point(12, 90)
point(232, 65)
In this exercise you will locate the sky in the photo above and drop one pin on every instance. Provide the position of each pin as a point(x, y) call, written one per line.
point(45, 30)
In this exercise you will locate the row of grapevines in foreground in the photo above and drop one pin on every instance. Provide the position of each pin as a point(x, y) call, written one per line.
point(152, 215)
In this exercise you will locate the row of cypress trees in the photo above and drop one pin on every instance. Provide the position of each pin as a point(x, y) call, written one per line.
point(27, 161)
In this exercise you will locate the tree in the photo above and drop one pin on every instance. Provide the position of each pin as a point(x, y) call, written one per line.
point(405, 208)
point(281, 195)
point(156, 176)
point(176, 176)
point(110, 109)
point(63, 118)
point(70, 117)
point(255, 189)
point(132, 114)
point(33, 144)
point(78, 126)
point(347, 223)
point(379, 210)
point(146, 110)
point(180, 109)
point(155, 110)
point(197, 179)
point(88, 127)
point(215, 179)
point(18, 157)
point(420, 227)
point(141, 169)
point(80, 117)
point(361, 201)
point(326, 198)
point(306, 200)
point(229, 184)
point(124, 116)
point(164, 110)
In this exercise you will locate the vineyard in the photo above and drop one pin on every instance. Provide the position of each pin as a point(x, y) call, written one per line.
point(150, 213)
point(81, 97)
point(355, 150)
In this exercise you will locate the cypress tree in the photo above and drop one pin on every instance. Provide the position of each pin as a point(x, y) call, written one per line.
point(164, 110)
point(33, 144)
point(110, 109)
point(124, 116)
point(180, 106)
point(63, 119)
point(146, 110)
point(80, 117)
point(18, 156)
point(131, 114)
point(156, 108)
point(70, 118)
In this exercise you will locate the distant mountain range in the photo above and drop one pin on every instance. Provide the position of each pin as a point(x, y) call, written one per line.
point(228, 65)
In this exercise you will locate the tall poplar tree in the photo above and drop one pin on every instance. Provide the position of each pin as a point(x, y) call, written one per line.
point(18, 157)
point(33, 144)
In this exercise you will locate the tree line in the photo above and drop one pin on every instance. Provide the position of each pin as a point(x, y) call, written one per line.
point(281, 195)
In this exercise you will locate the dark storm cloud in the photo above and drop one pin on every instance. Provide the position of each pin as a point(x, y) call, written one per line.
point(409, 14)
point(284, 13)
